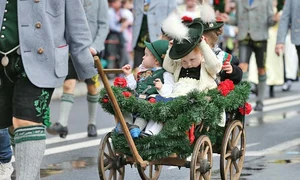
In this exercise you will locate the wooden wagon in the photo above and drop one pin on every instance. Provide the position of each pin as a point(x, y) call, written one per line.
point(111, 162)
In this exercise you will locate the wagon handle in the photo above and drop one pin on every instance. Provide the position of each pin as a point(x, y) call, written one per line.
point(118, 112)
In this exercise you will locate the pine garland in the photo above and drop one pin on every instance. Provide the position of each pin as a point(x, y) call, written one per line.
point(178, 116)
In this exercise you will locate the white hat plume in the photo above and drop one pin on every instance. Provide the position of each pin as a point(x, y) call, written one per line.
point(207, 13)
point(174, 27)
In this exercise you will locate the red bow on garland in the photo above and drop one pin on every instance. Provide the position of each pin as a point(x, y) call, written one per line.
point(120, 82)
point(225, 87)
point(190, 134)
point(246, 109)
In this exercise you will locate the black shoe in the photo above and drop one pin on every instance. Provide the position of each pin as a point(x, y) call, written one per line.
point(57, 128)
point(259, 106)
point(92, 130)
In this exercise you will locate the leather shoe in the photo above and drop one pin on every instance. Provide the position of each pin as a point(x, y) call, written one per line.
point(92, 130)
point(57, 128)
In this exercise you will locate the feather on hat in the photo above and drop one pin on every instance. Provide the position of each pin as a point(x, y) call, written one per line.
point(173, 27)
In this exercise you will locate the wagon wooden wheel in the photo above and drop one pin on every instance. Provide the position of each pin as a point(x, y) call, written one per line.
point(202, 159)
point(110, 164)
point(152, 172)
point(233, 151)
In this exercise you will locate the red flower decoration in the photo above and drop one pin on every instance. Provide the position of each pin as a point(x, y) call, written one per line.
point(186, 19)
point(126, 94)
point(225, 87)
point(216, 2)
point(120, 82)
point(152, 100)
point(246, 109)
point(105, 100)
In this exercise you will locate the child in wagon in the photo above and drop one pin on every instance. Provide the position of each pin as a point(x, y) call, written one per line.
point(191, 60)
point(145, 85)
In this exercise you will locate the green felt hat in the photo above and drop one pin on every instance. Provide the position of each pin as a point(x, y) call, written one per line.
point(185, 46)
point(208, 26)
point(158, 49)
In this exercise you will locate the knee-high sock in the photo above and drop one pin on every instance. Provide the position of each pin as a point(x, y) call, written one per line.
point(155, 128)
point(92, 107)
point(149, 125)
point(245, 76)
point(261, 87)
point(29, 151)
point(66, 103)
point(140, 122)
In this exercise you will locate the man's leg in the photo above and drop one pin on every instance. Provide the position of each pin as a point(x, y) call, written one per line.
point(260, 49)
point(298, 53)
point(30, 113)
point(245, 51)
point(92, 99)
point(6, 168)
point(6, 93)
point(66, 103)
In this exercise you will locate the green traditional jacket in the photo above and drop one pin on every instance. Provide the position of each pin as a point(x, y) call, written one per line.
point(9, 37)
point(145, 84)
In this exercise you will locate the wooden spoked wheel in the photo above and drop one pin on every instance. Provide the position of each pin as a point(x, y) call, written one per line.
point(152, 172)
point(202, 159)
point(233, 151)
point(110, 164)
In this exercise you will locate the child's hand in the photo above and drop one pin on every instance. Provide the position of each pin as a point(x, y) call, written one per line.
point(158, 84)
point(126, 69)
point(227, 67)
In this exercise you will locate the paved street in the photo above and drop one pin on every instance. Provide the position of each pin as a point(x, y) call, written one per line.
point(273, 144)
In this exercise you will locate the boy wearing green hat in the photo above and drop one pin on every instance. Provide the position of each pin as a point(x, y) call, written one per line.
point(230, 69)
point(153, 80)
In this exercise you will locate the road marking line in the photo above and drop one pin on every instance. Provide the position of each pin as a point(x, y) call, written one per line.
point(281, 99)
point(75, 136)
point(96, 142)
point(276, 106)
point(276, 148)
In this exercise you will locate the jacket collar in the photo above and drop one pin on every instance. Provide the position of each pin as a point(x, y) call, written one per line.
point(255, 4)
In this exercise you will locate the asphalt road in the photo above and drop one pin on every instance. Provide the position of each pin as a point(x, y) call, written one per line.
point(273, 144)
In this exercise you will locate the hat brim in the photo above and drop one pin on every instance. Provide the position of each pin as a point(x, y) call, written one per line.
point(184, 47)
point(218, 25)
point(153, 51)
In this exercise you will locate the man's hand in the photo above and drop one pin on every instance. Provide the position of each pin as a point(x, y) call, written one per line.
point(276, 17)
point(223, 17)
point(279, 48)
point(93, 51)
point(158, 84)
point(126, 69)
point(227, 68)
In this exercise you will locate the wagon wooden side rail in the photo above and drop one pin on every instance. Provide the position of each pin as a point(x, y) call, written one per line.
point(118, 115)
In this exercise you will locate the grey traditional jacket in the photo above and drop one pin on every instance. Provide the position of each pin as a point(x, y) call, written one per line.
point(290, 18)
point(48, 31)
point(97, 16)
point(158, 11)
point(255, 19)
